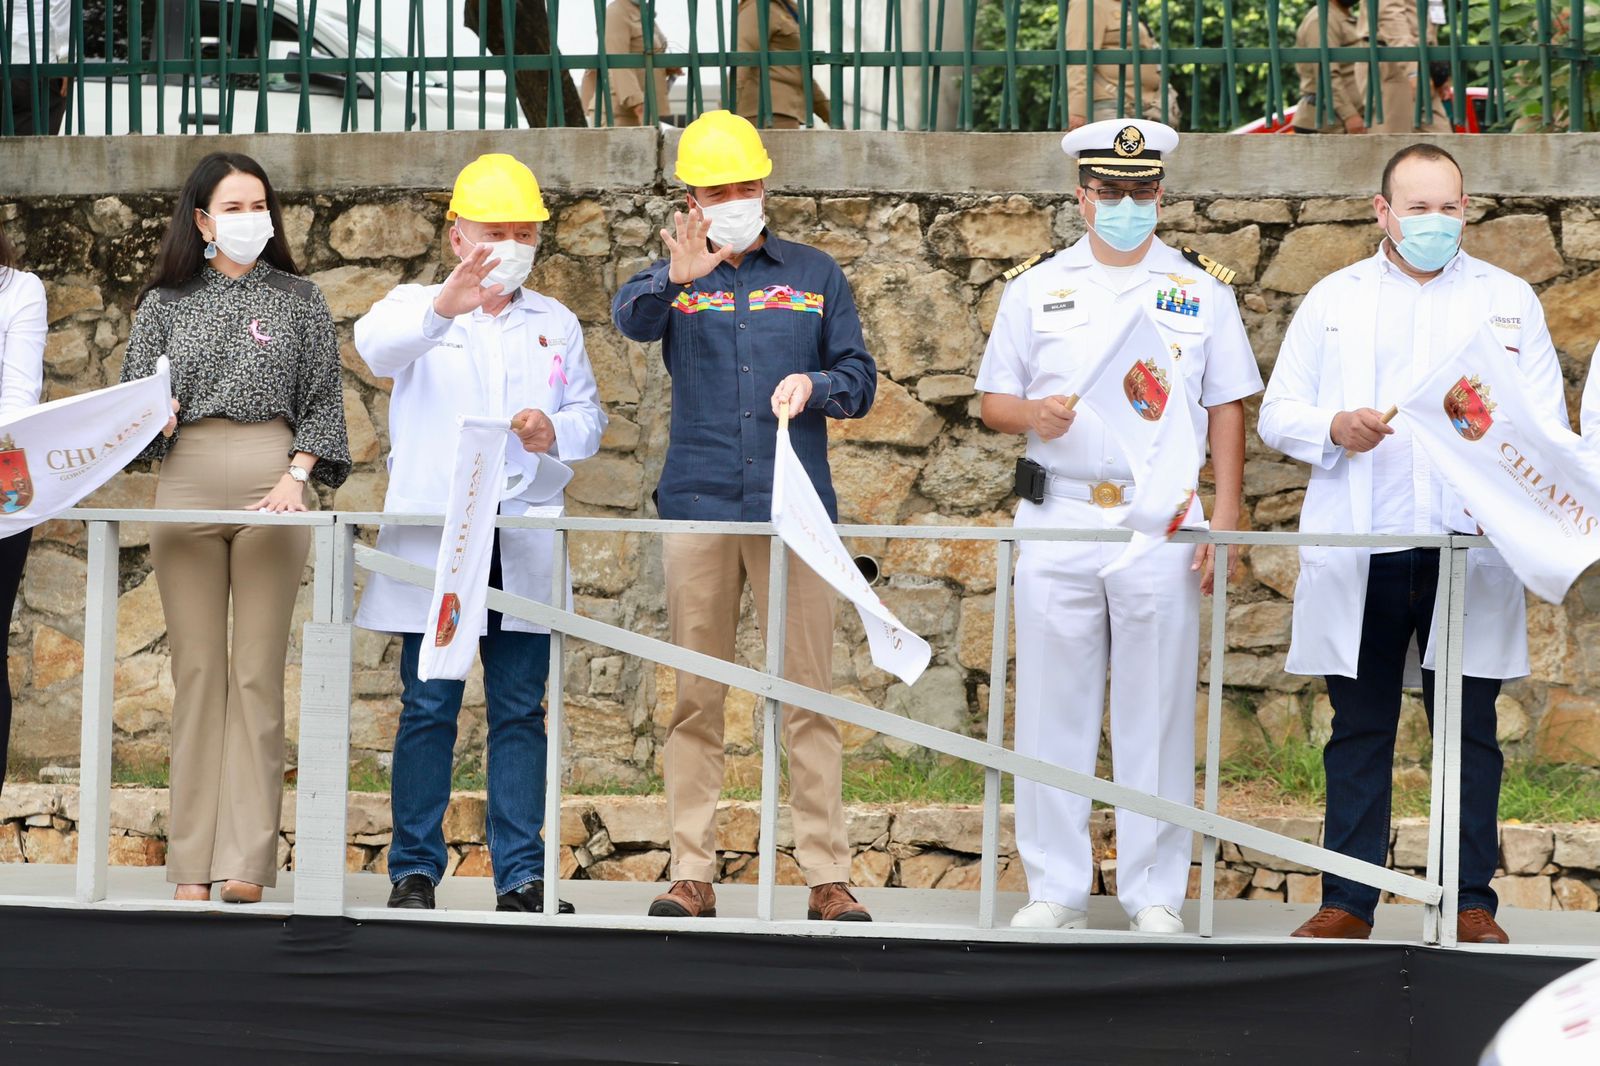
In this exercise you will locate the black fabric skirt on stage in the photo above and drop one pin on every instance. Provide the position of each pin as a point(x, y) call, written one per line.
point(117, 987)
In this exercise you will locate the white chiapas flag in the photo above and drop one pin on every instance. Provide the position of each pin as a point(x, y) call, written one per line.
point(1531, 483)
point(1137, 389)
point(803, 524)
point(53, 455)
point(459, 609)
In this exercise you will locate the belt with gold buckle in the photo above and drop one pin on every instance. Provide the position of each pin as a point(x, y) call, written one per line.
point(1106, 494)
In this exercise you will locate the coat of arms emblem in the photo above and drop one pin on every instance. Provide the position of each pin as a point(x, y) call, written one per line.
point(1145, 385)
point(1469, 408)
point(449, 618)
point(16, 486)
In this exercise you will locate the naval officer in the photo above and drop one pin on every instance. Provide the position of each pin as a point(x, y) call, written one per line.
point(1055, 318)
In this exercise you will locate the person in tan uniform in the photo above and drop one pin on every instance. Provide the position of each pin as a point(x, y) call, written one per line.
point(786, 84)
point(625, 36)
point(1108, 33)
point(1397, 26)
point(1344, 109)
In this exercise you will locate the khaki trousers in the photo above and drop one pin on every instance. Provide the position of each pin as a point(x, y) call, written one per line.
point(1399, 84)
point(227, 717)
point(705, 579)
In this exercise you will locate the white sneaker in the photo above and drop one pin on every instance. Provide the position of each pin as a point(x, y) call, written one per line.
point(1157, 920)
point(1042, 914)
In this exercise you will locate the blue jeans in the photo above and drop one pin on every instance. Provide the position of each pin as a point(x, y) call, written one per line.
point(1359, 757)
point(515, 668)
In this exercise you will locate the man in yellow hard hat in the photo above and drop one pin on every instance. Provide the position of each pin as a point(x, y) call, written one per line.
point(748, 323)
point(478, 344)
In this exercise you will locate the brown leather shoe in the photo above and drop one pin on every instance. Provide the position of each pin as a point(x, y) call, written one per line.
point(1477, 926)
point(834, 903)
point(685, 899)
point(1331, 923)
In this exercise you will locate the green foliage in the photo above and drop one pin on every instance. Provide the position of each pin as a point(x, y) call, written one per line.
point(1520, 22)
point(1217, 105)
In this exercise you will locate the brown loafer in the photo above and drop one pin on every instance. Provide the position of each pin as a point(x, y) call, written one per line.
point(1331, 923)
point(1476, 925)
point(834, 903)
point(685, 899)
point(240, 892)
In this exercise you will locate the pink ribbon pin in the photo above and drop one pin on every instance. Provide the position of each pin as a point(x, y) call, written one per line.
point(556, 371)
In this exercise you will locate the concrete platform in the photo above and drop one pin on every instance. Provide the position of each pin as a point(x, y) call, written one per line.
point(898, 912)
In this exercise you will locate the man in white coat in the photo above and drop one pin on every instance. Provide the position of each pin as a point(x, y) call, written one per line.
point(479, 344)
point(1360, 340)
point(1055, 321)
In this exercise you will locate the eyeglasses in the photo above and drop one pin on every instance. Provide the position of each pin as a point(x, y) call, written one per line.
point(1111, 197)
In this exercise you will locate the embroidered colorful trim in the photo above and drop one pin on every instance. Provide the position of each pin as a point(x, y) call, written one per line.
point(693, 302)
point(785, 298)
point(1178, 301)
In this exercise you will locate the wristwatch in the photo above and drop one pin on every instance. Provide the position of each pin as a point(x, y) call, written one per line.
point(299, 473)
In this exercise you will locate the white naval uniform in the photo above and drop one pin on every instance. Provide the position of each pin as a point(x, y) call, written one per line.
point(1143, 620)
point(1327, 364)
point(531, 355)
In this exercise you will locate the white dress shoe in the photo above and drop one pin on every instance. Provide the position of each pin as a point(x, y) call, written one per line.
point(1042, 914)
point(1157, 920)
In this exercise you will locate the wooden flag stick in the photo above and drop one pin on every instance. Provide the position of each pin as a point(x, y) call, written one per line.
point(783, 417)
point(1388, 416)
point(1072, 401)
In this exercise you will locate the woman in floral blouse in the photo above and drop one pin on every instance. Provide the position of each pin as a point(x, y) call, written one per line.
point(255, 370)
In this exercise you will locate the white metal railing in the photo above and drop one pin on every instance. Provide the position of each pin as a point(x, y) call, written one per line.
point(319, 883)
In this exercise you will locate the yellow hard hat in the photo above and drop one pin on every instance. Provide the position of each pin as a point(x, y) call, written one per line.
point(497, 188)
point(720, 148)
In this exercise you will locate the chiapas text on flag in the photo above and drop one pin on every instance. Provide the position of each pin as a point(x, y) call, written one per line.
point(53, 455)
point(1530, 482)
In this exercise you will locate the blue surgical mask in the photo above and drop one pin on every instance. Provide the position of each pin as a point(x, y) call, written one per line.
point(1428, 242)
point(1126, 225)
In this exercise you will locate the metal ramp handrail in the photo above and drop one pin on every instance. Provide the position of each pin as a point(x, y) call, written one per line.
point(326, 696)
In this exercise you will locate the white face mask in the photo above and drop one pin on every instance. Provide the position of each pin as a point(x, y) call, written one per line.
point(736, 223)
point(516, 263)
point(241, 237)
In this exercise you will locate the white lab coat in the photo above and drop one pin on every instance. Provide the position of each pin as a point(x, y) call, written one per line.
point(1326, 366)
point(1589, 406)
point(443, 368)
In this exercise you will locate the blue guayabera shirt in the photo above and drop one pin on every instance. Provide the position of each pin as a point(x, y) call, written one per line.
point(727, 340)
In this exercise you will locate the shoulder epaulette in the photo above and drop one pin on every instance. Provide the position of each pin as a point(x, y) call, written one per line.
point(169, 294)
point(1023, 266)
point(292, 284)
point(1226, 275)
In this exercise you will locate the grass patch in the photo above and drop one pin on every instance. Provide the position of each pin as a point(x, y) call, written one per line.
point(917, 779)
point(1289, 773)
point(140, 775)
point(1549, 792)
point(649, 786)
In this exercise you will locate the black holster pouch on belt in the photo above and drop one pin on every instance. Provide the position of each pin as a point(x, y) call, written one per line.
point(1030, 480)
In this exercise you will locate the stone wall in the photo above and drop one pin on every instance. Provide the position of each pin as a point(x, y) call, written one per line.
point(926, 268)
point(626, 838)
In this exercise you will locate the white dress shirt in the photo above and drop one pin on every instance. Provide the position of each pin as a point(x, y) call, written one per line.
point(52, 29)
point(23, 325)
point(1407, 497)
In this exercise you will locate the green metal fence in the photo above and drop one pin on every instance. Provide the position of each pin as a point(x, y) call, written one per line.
point(170, 66)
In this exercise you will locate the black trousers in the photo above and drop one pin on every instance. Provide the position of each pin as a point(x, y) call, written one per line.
point(13, 554)
point(1359, 758)
point(52, 106)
